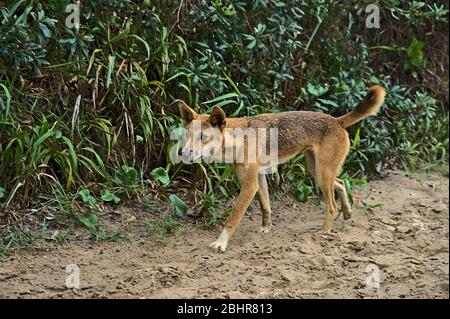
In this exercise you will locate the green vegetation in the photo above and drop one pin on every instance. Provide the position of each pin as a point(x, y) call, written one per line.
point(161, 229)
point(85, 114)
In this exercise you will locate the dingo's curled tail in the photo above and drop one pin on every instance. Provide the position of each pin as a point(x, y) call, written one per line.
point(368, 106)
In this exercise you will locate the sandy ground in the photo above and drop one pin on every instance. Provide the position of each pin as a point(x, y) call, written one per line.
point(401, 246)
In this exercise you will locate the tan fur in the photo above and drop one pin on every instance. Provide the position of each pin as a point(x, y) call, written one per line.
point(369, 106)
point(322, 137)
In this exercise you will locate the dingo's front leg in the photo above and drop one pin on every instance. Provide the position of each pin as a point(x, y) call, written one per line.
point(248, 178)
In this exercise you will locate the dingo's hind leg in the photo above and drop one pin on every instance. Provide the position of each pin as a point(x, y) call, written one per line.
point(264, 203)
point(339, 185)
point(328, 160)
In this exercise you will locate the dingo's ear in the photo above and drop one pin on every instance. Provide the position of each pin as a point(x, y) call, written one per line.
point(187, 114)
point(217, 118)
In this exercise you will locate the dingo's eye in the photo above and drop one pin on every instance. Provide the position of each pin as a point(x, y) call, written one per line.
point(203, 137)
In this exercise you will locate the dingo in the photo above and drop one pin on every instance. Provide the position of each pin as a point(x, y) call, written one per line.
point(322, 137)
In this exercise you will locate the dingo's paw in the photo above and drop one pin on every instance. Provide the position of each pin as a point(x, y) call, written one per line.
point(347, 213)
point(222, 242)
point(219, 245)
point(265, 229)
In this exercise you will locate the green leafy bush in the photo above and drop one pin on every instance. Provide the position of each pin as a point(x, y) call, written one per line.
point(95, 105)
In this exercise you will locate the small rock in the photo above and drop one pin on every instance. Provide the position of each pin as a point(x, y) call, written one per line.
point(391, 228)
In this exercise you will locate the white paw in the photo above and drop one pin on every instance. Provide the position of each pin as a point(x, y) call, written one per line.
point(221, 243)
point(265, 229)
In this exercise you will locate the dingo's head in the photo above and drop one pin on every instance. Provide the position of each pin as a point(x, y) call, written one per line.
point(204, 133)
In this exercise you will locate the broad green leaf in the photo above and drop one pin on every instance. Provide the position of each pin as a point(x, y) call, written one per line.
point(139, 139)
point(252, 44)
point(107, 196)
point(229, 10)
point(317, 90)
point(86, 196)
point(160, 174)
point(89, 220)
point(45, 30)
point(179, 205)
point(126, 175)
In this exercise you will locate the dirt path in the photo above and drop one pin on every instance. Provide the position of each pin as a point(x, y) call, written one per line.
point(405, 241)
